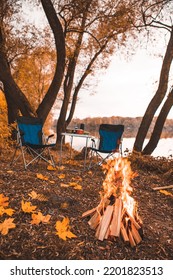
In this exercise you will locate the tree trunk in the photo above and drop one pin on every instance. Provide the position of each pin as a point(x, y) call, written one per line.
point(158, 97)
point(50, 97)
point(69, 79)
point(154, 139)
point(14, 96)
point(81, 81)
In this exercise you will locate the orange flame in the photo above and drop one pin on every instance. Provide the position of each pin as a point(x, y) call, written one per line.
point(117, 183)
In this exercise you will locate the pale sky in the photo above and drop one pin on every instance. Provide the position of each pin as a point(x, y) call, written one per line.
point(125, 89)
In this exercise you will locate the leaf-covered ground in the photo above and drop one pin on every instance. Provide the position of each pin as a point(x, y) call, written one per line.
point(63, 193)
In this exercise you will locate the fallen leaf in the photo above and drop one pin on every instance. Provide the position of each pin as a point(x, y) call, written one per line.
point(64, 205)
point(61, 176)
point(8, 211)
point(41, 177)
point(52, 182)
point(33, 195)
point(166, 193)
point(37, 196)
point(3, 200)
point(39, 217)
point(27, 207)
point(63, 229)
point(62, 167)
point(77, 179)
point(51, 168)
point(6, 225)
point(75, 185)
point(64, 185)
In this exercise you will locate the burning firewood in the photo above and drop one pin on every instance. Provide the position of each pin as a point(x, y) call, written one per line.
point(116, 215)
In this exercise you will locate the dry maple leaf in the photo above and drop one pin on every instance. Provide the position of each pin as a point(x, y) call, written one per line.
point(6, 225)
point(63, 229)
point(33, 195)
point(3, 200)
point(8, 211)
point(41, 177)
point(27, 207)
point(39, 217)
point(51, 168)
point(37, 196)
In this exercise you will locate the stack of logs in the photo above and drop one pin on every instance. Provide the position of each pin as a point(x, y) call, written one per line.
point(111, 219)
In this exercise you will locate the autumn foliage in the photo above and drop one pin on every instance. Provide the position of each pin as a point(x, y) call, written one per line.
point(4, 128)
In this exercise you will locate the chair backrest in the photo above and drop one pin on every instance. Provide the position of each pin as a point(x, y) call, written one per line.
point(30, 129)
point(110, 136)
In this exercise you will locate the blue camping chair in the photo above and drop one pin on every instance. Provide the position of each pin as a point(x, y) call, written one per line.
point(31, 142)
point(110, 142)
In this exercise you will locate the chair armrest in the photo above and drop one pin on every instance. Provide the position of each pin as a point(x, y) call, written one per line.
point(48, 137)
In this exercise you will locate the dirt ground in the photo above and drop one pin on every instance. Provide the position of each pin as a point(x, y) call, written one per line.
point(59, 198)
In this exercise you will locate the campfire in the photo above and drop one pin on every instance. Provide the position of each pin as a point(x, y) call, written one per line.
point(116, 215)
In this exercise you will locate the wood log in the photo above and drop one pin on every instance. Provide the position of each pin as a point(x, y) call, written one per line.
point(107, 232)
point(106, 218)
point(94, 221)
point(133, 221)
point(136, 234)
point(163, 188)
point(98, 231)
point(131, 239)
point(124, 233)
point(116, 220)
point(104, 202)
point(89, 212)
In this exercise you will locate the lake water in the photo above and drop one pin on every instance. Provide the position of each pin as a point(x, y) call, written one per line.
point(164, 147)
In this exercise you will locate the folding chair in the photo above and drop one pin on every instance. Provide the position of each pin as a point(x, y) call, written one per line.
point(31, 142)
point(110, 142)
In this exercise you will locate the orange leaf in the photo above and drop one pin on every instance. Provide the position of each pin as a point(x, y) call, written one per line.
point(8, 211)
point(63, 229)
point(6, 225)
point(41, 177)
point(3, 200)
point(75, 185)
point(64, 185)
point(51, 168)
point(64, 205)
point(38, 218)
point(37, 196)
point(166, 193)
point(33, 195)
point(61, 176)
point(27, 207)
point(71, 184)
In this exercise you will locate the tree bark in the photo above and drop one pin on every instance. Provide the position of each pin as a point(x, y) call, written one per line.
point(154, 139)
point(158, 97)
point(14, 96)
point(68, 82)
point(50, 97)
